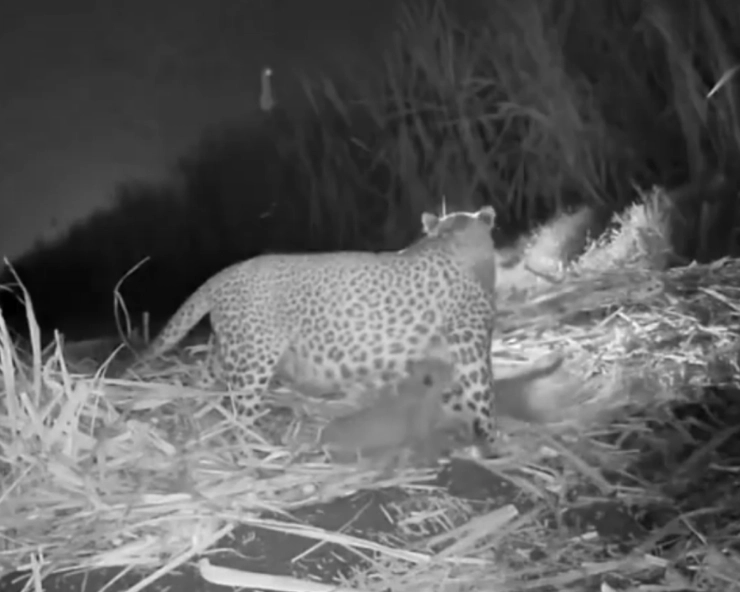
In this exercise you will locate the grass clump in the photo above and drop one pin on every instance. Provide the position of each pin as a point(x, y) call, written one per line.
point(152, 474)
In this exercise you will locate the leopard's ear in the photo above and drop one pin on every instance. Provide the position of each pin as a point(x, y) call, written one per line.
point(488, 215)
point(429, 223)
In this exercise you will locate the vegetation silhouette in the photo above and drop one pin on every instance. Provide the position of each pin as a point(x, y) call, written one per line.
point(530, 106)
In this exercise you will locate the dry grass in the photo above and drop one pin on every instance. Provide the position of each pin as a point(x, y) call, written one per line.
point(99, 472)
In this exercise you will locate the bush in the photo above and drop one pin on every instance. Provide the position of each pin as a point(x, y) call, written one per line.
point(533, 106)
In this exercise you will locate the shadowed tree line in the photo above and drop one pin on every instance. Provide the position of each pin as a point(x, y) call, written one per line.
point(533, 106)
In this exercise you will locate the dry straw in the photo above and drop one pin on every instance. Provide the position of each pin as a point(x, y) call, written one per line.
point(150, 473)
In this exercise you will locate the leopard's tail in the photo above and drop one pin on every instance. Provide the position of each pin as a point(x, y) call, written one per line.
point(542, 393)
point(198, 305)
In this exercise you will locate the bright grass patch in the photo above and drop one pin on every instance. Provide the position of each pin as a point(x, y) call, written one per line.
point(152, 474)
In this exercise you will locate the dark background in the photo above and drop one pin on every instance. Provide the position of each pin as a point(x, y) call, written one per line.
point(149, 112)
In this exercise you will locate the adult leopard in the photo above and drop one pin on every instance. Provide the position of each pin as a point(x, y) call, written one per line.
point(355, 318)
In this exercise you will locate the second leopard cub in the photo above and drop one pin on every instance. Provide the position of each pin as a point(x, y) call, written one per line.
point(408, 419)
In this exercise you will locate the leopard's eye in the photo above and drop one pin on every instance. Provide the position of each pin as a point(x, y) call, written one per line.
point(428, 380)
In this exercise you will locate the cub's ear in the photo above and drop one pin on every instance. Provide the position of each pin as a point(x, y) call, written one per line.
point(429, 223)
point(488, 215)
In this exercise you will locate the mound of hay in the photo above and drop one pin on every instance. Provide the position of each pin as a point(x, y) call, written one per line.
point(99, 472)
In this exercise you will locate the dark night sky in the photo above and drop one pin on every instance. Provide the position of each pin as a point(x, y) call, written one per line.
point(95, 91)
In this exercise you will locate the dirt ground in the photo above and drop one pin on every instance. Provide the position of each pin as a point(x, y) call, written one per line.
point(271, 552)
